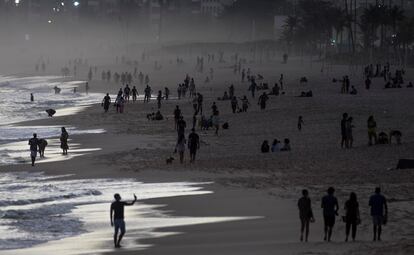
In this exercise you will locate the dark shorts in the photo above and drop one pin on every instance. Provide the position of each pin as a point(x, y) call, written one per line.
point(329, 220)
point(193, 150)
point(119, 224)
point(378, 220)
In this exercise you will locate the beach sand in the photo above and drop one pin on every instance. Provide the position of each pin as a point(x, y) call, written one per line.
point(247, 182)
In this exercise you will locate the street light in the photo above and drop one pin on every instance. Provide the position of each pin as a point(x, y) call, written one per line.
point(76, 3)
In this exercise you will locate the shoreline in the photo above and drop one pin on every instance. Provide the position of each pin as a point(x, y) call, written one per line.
point(138, 149)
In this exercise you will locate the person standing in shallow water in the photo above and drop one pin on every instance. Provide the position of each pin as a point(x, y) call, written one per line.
point(305, 214)
point(330, 211)
point(34, 143)
point(117, 218)
point(64, 141)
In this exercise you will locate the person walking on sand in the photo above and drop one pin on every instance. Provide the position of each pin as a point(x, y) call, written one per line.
point(253, 87)
point(262, 101)
point(193, 144)
point(177, 115)
point(180, 147)
point(181, 126)
point(352, 218)
point(379, 212)
point(159, 98)
point(117, 218)
point(343, 129)
point(300, 123)
point(305, 214)
point(216, 121)
point(245, 104)
point(281, 81)
point(348, 130)
point(64, 141)
point(372, 130)
point(106, 102)
point(234, 104)
point(34, 143)
point(330, 211)
point(120, 103)
point(134, 94)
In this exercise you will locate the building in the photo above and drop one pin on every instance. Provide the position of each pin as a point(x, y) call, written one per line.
point(214, 7)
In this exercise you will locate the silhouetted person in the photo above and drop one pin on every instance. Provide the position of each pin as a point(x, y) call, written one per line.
point(134, 93)
point(343, 129)
point(262, 100)
point(50, 112)
point(300, 123)
point(64, 136)
point(253, 87)
point(42, 146)
point(177, 115)
point(305, 214)
point(234, 104)
point(106, 102)
point(34, 143)
point(180, 147)
point(31, 97)
point(159, 98)
point(87, 88)
point(193, 144)
point(265, 148)
point(372, 130)
point(330, 211)
point(368, 83)
point(349, 133)
point(181, 126)
point(117, 218)
point(379, 212)
point(352, 218)
point(245, 104)
point(167, 93)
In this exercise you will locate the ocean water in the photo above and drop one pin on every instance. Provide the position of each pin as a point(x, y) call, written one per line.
point(15, 106)
point(15, 97)
point(35, 208)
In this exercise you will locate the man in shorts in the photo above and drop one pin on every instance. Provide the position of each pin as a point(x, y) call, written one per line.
point(117, 218)
point(330, 211)
point(34, 143)
point(379, 212)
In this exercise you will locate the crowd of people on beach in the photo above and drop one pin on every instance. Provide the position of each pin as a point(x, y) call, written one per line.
point(204, 119)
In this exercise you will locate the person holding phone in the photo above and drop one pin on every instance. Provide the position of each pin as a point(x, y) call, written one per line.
point(117, 218)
